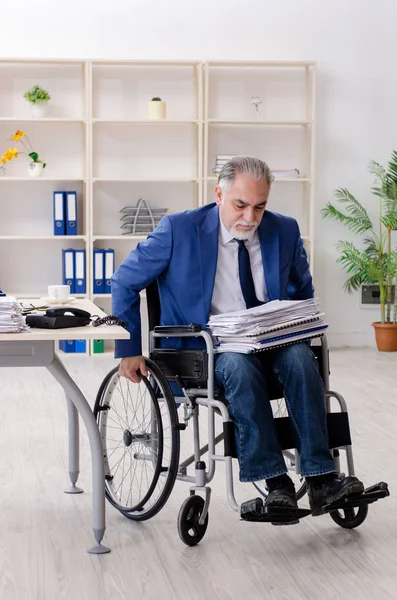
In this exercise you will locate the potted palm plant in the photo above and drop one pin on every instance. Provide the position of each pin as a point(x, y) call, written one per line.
point(376, 262)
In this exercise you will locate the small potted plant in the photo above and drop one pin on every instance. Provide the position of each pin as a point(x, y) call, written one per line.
point(376, 263)
point(36, 165)
point(157, 109)
point(38, 99)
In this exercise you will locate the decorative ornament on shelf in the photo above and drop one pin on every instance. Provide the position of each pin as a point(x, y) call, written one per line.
point(36, 165)
point(38, 99)
point(255, 102)
point(140, 219)
point(157, 109)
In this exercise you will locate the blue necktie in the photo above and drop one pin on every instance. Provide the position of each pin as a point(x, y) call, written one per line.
point(245, 274)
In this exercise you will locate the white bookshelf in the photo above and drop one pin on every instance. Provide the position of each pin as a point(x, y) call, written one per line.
point(97, 139)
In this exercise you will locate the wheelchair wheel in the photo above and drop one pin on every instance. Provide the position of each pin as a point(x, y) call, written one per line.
point(140, 439)
point(190, 530)
point(350, 518)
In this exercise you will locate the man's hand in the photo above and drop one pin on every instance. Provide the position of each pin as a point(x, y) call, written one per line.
point(129, 367)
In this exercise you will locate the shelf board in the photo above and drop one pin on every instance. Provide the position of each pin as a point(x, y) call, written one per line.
point(139, 180)
point(42, 120)
point(251, 122)
point(278, 179)
point(260, 64)
point(146, 121)
point(127, 236)
point(143, 293)
point(3, 178)
point(35, 295)
point(144, 63)
point(43, 237)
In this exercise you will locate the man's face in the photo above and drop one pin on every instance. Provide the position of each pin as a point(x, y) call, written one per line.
point(241, 208)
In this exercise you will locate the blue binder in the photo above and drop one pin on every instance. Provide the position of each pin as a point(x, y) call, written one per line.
point(99, 281)
point(80, 285)
point(59, 213)
point(68, 269)
point(67, 345)
point(71, 213)
point(80, 346)
point(109, 270)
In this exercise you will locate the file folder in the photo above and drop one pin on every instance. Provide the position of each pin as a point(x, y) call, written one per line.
point(67, 345)
point(80, 346)
point(68, 269)
point(59, 213)
point(99, 282)
point(71, 213)
point(80, 285)
point(99, 346)
point(109, 270)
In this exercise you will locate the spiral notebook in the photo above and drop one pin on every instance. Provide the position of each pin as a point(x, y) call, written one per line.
point(283, 340)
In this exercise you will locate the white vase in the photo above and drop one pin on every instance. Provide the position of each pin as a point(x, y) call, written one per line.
point(38, 110)
point(157, 110)
point(35, 169)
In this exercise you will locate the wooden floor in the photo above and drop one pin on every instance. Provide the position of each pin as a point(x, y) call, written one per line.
point(45, 533)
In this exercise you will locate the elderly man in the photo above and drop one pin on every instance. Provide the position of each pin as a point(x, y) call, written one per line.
point(231, 255)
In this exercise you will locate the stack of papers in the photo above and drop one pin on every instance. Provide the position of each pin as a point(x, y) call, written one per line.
point(272, 324)
point(11, 319)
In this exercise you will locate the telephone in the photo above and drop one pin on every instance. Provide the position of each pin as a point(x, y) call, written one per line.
point(59, 318)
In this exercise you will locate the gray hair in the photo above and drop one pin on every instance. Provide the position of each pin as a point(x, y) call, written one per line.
point(254, 167)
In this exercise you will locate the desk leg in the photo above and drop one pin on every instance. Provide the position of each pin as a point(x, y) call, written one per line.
point(72, 392)
point(74, 450)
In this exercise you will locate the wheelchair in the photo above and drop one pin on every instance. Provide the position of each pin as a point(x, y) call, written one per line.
point(140, 431)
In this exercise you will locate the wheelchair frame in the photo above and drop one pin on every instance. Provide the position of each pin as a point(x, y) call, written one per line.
point(193, 515)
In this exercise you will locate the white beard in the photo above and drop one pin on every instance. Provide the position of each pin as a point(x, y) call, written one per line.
point(244, 235)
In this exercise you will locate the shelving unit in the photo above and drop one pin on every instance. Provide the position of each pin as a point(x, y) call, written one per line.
point(98, 140)
point(282, 132)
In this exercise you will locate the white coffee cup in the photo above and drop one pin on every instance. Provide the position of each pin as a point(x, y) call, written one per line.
point(59, 292)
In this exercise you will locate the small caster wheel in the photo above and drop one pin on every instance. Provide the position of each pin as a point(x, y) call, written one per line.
point(189, 529)
point(349, 518)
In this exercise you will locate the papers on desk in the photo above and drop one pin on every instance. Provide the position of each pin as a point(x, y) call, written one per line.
point(11, 319)
point(276, 323)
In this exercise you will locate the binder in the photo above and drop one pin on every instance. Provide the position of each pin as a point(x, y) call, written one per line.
point(80, 281)
point(80, 346)
point(99, 281)
point(59, 213)
point(68, 269)
point(109, 270)
point(67, 345)
point(71, 213)
point(99, 346)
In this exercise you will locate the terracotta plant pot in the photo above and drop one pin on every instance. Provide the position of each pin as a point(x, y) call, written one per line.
point(386, 336)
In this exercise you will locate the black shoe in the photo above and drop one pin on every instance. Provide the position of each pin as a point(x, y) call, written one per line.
point(337, 488)
point(282, 495)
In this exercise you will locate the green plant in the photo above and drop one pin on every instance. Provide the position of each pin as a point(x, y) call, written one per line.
point(37, 94)
point(376, 263)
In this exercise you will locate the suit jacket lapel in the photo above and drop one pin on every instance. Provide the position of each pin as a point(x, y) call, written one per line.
point(208, 248)
point(268, 237)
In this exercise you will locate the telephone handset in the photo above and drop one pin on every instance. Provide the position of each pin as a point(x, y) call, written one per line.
point(60, 318)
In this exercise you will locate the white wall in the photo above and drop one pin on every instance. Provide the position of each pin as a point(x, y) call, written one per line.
point(353, 42)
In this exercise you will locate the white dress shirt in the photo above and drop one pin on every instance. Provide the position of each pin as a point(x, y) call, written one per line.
point(227, 295)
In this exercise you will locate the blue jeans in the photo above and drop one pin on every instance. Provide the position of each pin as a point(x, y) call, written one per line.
point(244, 381)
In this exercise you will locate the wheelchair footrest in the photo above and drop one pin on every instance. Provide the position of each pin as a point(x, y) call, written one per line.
point(371, 494)
point(255, 510)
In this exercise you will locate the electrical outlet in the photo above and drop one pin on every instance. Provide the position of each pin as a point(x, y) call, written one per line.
point(370, 295)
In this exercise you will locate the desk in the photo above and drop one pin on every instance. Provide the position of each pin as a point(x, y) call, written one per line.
point(36, 348)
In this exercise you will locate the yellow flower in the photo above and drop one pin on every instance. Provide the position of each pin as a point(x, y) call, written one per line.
point(17, 136)
point(9, 155)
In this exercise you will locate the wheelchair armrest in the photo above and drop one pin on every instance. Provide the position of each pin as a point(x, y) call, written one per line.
point(164, 329)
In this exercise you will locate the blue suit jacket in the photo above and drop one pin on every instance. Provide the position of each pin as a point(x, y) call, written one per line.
point(182, 254)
